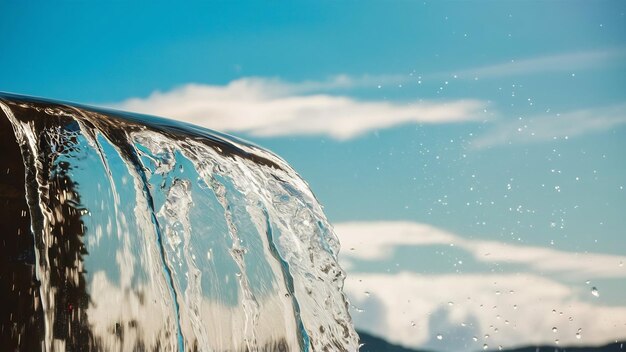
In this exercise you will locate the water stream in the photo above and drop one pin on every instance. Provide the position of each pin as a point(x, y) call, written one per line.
point(149, 234)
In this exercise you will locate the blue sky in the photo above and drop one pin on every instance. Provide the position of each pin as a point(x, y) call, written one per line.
point(497, 123)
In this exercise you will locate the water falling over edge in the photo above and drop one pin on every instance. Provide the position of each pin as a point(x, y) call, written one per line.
point(153, 234)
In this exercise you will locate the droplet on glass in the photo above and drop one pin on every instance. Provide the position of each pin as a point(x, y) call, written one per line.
point(594, 291)
point(475, 338)
point(485, 347)
point(554, 329)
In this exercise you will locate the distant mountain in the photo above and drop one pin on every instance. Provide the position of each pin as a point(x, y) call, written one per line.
point(613, 347)
point(376, 344)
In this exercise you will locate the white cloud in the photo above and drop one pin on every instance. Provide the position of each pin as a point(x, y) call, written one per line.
point(271, 107)
point(266, 107)
point(547, 260)
point(515, 309)
point(553, 126)
point(377, 240)
point(566, 62)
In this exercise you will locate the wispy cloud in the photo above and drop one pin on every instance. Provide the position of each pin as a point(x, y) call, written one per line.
point(565, 62)
point(377, 241)
point(552, 126)
point(269, 107)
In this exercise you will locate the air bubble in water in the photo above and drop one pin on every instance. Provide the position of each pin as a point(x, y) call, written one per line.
point(439, 337)
point(594, 291)
point(554, 329)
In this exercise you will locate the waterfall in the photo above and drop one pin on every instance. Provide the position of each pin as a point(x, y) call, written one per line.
point(150, 234)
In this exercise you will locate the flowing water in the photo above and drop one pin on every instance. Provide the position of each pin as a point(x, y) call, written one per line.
point(148, 234)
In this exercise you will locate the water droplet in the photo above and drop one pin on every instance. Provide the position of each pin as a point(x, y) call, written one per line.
point(578, 335)
point(439, 337)
point(475, 338)
point(486, 336)
point(450, 303)
point(554, 329)
point(594, 291)
point(485, 347)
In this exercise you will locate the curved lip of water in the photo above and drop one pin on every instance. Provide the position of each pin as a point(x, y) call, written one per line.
point(178, 130)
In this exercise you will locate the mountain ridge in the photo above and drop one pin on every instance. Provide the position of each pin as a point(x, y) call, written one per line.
point(371, 343)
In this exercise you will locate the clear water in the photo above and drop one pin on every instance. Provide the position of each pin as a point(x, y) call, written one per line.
point(155, 235)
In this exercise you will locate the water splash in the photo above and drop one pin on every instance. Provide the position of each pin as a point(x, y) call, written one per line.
point(151, 234)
